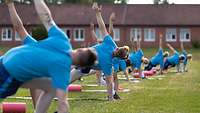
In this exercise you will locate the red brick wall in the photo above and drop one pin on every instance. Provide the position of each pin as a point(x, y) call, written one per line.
point(124, 36)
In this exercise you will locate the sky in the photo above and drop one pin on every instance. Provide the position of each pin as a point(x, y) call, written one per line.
point(171, 1)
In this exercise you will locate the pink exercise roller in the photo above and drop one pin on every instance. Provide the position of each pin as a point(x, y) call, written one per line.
point(13, 107)
point(148, 73)
point(74, 88)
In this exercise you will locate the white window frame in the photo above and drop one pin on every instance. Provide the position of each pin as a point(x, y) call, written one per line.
point(98, 34)
point(116, 34)
point(17, 37)
point(134, 33)
point(183, 34)
point(65, 31)
point(6, 30)
point(79, 32)
point(169, 33)
point(149, 34)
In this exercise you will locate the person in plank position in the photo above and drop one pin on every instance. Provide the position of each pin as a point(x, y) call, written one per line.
point(106, 51)
point(158, 59)
point(137, 58)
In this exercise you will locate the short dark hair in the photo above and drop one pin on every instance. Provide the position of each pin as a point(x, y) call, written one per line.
point(87, 58)
point(122, 52)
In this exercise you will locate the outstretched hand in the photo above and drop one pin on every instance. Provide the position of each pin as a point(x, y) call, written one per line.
point(113, 16)
point(92, 26)
point(96, 7)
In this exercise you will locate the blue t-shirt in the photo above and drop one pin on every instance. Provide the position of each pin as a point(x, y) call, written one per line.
point(105, 54)
point(174, 59)
point(136, 58)
point(158, 59)
point(119, 64)
point(185, 55)
point(47, 58)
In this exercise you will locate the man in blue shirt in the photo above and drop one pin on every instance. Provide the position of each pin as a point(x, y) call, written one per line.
point(137, 58)
point(157, 59)
point(173, 60)
point(43, 65)
point(186, 58)
point(106, 51)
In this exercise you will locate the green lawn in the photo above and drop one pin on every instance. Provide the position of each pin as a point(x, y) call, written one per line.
point(176, 93)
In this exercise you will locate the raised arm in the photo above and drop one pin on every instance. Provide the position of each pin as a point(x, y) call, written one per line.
point(44, 14)
point(111, 21)
point(138, 43)
point(16, 21)
point(160, 41)
point(100, 21)
point(182, 46)
point(171, 48)
point(93, 34)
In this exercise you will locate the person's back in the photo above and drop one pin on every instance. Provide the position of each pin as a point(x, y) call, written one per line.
point(174, 59)
point(39, 59)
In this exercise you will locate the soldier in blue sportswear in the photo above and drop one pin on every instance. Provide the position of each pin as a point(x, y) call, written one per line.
point(173, 60)
point(43, 65)
point(137, 58)
point(158, 59)
point(186, 58)
point(105, 51)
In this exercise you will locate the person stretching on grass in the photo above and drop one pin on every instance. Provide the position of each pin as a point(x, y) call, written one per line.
point(173, 60)
point(118, 64)
point(106, 51)
point(158, 59)
point(137, 58)
point(187, 57)
point(43, 65)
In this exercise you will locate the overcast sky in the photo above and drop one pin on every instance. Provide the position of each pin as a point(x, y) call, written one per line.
point(171, 1)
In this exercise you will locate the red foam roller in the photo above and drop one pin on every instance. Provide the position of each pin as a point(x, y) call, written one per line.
point(148, 73)
point(74, 88)
point(14, 107)
point(136, 75)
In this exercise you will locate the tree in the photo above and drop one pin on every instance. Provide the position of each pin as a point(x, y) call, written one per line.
point(161, 1)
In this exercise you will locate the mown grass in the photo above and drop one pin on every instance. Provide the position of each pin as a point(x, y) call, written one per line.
point(175, 93)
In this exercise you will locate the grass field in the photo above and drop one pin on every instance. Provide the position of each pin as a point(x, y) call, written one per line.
point(176, 93)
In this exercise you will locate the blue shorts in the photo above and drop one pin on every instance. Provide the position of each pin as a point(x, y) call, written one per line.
point(167, 64)
point(149, 67)
point(8, 84)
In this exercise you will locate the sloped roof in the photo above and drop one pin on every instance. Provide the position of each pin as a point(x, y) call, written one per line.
point(70, 14)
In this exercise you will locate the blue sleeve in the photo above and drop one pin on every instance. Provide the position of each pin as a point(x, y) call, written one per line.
point(109, 41)
point(60, 78)
point(56, 32)
point(28, 40)
point(140, 53)
point(161, 63)
point(184, 53)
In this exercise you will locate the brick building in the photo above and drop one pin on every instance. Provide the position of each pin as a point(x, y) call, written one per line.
point(175, 22)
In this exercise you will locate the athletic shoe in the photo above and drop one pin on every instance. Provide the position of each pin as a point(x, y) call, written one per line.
point(116, 96)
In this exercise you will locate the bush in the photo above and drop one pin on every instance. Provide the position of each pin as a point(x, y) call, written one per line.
point(39, 33)
point(196, 44)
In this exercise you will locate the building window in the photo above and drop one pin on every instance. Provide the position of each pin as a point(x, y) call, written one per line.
point(6, 34)
point(149, 34)
point(79, 34)
point(185, 35)
point(67, 32)
point(17, 37)
point(116, 34)
point(99, 34)
point(136, 33)
point(171, 35)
